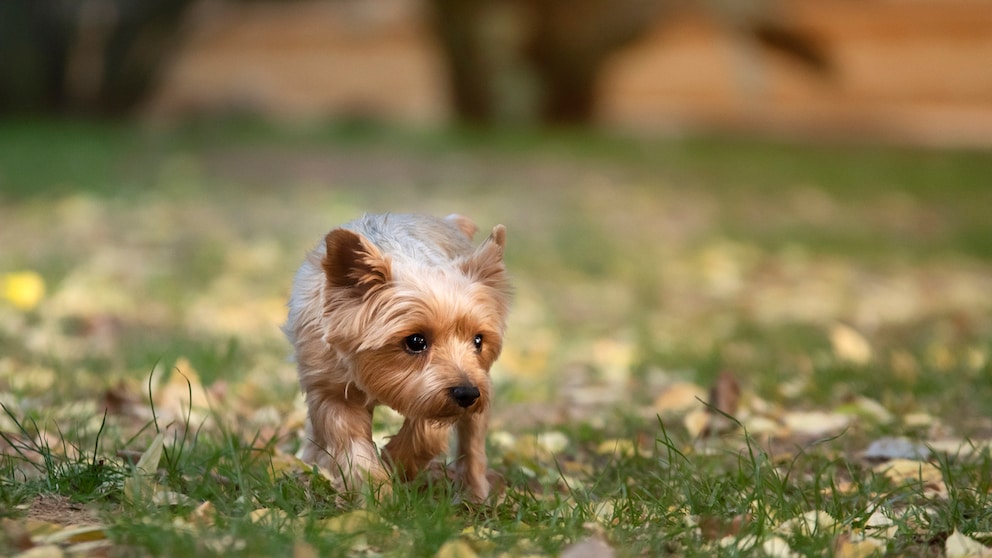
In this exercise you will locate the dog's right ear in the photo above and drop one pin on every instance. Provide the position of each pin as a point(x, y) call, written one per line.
point(352, 262)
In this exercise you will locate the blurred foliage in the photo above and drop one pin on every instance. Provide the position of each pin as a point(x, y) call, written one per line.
point(84, 56)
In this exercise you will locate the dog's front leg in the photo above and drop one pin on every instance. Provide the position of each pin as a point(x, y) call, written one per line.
point(339, 438)
point(414, 446)
point(471, 462)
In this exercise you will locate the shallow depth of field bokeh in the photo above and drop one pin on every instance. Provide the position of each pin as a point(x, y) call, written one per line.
point(696, 299)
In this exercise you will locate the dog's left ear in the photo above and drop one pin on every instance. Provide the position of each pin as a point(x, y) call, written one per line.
point(485, 265)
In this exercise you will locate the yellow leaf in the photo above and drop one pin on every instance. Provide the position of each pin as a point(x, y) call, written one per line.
point(959, 545)
point(204, 514)
point(170, 498)
point(777, 547)
point(44, 551)
point(268, 515)
point(303, 549)
point(355, 522)
point(815, 423)
point(23, 289)
point(148, 463)
point(621, 447)
point(809, 523)
point(696, 421)
point(905, 471)
point(849, 344)
point(76, 534)
point(848, 547)
point(457, 548)
point(679, 398)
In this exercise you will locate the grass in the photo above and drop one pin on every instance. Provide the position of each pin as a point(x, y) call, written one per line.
point(638, 264)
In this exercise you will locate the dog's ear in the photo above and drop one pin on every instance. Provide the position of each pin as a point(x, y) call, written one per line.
point(463, 224)
point(352, 262)
point(485, 265)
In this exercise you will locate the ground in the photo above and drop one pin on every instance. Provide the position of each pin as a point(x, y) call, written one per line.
point(715, 345)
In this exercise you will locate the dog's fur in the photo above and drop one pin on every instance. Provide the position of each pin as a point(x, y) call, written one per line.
point(399, 310)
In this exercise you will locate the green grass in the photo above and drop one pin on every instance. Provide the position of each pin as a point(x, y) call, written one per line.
point(638, 263)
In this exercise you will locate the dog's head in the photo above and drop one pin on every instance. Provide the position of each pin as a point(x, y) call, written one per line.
point(420, 338)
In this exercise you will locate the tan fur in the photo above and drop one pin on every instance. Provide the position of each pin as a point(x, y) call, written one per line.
point(357, 298)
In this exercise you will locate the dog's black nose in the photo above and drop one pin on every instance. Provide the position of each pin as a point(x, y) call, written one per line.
point(465, 395)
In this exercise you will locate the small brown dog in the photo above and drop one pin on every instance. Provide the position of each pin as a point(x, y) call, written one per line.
point(399, 310)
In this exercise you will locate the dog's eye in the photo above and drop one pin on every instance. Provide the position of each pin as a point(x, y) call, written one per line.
point(415, 343)
point(477, 341)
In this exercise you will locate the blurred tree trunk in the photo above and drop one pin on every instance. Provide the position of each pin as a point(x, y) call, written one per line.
point(539, 61)
point(533, 60)
point(84, 56)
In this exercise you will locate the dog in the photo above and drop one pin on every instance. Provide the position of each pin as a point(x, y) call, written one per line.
point(399, 310)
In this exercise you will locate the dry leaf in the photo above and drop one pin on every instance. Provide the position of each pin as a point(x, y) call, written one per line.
point(679, 398)
point(204, 514)
point(725, 395)
point(268, 515)
point(777, 547)
point(45, 551)
point(959, 545)
point(457, 548)
point(620, 447)
point(714, 528)
point(141, 483)
point(148, 463)
point(905, 471)
point(815, 423)
point(75, 535)
point(588, 548)
point(809, 523)
point(847, 546)
point(849, 344)
point(884, 449)
point(354, 522)
point(303, 549)
point(696, 422)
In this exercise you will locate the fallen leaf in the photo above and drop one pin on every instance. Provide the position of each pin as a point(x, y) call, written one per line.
point(303, 549)
point(815, 522)
point(679, 398)
point(170, 498)
point(777, 547)
point(725, 394)
point(849, 344)
point(267, 515)
point(457, 548)
point(354, 522)
point(22, 289)
point(619, 447)
point(148, 463)
point(959, 545)
point(75, 534)
point(884, 449)
point(905, 471)
point(846, 546)
point(714, 528)
point(46, 551)
point(591, 547)
point(815, 423)
point(696, 422)
point(141, 483)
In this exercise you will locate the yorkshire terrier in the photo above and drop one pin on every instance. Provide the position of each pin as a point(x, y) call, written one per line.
point(403, 311)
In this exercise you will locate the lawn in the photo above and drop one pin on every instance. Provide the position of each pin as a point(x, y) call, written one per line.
point(717, 346)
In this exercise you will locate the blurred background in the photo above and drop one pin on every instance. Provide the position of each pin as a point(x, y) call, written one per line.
point(912, 71)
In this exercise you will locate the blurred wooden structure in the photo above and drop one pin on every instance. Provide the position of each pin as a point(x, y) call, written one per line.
point(912, 71)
